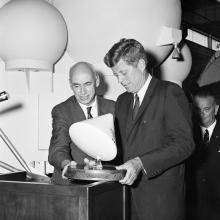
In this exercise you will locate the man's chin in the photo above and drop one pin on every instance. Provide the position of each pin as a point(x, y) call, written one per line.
point(206, 124)
point(85, 102)
point(128, 89)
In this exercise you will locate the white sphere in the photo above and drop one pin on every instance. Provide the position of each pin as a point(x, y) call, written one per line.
point(95, 25)
point(33, 34)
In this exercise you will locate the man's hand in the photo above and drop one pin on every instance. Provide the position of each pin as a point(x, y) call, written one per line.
point(133, 168)
point(71, 163)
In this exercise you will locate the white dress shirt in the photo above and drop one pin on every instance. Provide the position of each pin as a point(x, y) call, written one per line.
point(142, 91)
point(94, 110)
point(210, 129)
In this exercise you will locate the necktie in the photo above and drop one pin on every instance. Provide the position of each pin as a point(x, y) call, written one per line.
point(136, 106)
point(89, 112)
point(206, 137)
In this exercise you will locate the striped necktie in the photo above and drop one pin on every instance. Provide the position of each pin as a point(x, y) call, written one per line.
point(206, 137)
point(136, 106)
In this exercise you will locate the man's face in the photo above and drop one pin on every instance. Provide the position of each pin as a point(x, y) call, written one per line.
point(84, 83)
point(206, 109)
point(131, 77)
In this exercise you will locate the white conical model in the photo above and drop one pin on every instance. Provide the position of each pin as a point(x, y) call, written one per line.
point(95, 137)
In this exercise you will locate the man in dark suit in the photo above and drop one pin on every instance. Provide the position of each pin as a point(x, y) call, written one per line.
point(82, 105)
point(204, 164)
point(154, 121)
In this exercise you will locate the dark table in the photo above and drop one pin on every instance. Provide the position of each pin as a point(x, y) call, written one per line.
point(22, 199)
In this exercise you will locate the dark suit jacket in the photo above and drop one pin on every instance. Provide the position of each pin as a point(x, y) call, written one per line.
point(204, 178)
point(161, 136)
point(61, 147)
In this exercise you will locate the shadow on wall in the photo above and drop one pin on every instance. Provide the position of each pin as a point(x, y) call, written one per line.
point(103, 86)
point(152, 64)
point(11, 108)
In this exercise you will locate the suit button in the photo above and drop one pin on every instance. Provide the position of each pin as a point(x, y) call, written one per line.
point(203, 180)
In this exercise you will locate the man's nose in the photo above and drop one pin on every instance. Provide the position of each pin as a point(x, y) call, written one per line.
point(82, 90)
point(201, 113)
point(120, 78)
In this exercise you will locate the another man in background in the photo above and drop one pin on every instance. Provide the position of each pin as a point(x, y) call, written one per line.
point(154, 121)
point(204, 165)
point(82, 105)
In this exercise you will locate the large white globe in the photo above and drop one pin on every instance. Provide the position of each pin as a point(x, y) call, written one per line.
point(95, 25)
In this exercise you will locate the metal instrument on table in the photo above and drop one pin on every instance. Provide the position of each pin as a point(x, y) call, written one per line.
point(3, 96)
point(30, 175)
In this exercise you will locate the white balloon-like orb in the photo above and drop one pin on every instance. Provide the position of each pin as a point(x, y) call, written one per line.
point(94, 26)
point(33, 34)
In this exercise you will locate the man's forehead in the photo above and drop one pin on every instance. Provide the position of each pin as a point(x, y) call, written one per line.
point(82, 73)
point(205, 98)
point(208, 100)
point(122, 64)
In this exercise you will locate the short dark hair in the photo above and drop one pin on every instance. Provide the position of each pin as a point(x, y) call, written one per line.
point(203, 93)
point(130, 50)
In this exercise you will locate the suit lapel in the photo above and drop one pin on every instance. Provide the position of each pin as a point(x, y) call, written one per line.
point(215, 132)
point(147, 97)
point(77, 110)
point(144, 105)
point(99, 106)
point(129, 108)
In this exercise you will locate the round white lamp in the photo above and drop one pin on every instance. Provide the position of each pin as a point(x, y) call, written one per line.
point(94, 26)
point(33, 35)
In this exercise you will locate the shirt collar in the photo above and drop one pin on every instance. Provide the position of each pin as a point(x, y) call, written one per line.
point(93, 105)
point(142, 91)
point(210, 128)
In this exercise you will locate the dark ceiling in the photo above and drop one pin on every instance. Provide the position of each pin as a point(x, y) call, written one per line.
point(202, 15)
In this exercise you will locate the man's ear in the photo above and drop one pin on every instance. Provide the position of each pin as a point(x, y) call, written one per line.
point(97, 79)
point(141, 65)
point(70, 83)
